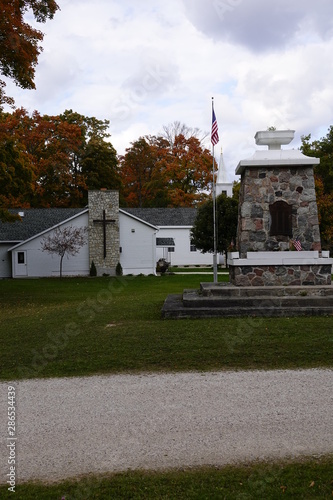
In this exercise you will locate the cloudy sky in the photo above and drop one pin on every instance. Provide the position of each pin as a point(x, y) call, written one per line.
point(144, 64)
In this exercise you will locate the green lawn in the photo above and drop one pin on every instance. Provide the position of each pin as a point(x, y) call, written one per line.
point(308, 479)
point(53, 328)
point(81, 326)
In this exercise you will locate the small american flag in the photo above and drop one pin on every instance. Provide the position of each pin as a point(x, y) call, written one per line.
point(297, 245)
point(215, 130)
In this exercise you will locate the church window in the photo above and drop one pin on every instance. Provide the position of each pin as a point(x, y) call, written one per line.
point(281, 224)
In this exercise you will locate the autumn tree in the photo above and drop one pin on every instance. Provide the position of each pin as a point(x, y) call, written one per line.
point(95, 158)
point(202, 233)
point(44, 144)
point(188, 173)
point(65, 240)
point(156, 173)
point(19, 51)
point(53, 160)
point(176, 128)
point(142, 171)
point(19, 41)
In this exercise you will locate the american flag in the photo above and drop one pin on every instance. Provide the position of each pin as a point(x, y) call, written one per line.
point(297, 245)
point(215, 130)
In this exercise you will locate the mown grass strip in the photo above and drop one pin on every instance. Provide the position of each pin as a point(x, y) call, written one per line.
point(71, 327)
point(306, 479)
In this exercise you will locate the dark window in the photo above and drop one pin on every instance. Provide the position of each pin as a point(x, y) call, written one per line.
point(280, 219)
point(20, 257)
point(193, 248)
point(171, 249)
point(224, 192)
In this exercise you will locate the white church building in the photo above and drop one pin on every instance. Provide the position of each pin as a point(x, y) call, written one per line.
point(134, 237)
point(126, 239)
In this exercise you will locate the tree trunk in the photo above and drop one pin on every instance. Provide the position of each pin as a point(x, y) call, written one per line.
point(61, 259)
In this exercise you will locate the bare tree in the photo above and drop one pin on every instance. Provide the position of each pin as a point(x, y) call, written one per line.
point(65, 240)
point(175, 128)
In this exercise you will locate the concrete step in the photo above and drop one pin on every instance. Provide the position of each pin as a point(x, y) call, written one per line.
point(228, 290)
point(195, 299)
point(174, 308)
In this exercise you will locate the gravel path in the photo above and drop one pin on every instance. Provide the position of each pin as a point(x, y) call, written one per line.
point(73, 426)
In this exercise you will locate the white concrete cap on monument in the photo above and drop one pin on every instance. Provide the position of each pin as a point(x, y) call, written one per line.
point(274, 155)
point(274, 138)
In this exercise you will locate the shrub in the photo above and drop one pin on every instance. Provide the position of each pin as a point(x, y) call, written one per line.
point(119, 269)
point(93, 270)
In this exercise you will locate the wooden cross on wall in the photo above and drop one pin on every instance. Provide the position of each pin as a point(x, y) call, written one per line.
point(104, 221)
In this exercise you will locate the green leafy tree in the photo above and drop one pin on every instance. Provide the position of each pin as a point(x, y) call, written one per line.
point(16, 173)
point(100, 166)
point(323, 149)
point(202, 233)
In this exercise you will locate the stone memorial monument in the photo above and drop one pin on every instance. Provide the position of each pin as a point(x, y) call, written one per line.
point(278, 237)
point(279, 268)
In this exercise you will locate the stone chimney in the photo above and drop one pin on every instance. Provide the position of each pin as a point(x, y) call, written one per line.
point(104, 230)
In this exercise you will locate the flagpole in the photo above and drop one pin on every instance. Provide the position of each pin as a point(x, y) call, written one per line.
point(214, 209)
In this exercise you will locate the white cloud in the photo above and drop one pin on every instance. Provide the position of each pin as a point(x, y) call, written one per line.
point(260, 25)
point(143, 65)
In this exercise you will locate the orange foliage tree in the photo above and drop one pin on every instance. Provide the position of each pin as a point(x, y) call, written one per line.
point(50, 160)
point(157, 173)
point(19, 41)
point(44, 144)
point(142, 172)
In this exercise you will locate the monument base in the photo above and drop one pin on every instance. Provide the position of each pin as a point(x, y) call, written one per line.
point(264, 284)
point(229, 301)
point(258, 269)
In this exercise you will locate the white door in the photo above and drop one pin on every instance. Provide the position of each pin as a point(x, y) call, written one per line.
point(21, 263)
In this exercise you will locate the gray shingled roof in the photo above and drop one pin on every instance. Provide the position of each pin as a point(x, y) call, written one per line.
point(165, 216)
point(35, 221)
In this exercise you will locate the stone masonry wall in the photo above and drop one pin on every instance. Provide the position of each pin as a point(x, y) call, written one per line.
point(263, 186)
point(97, 202)
point(296, 275)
